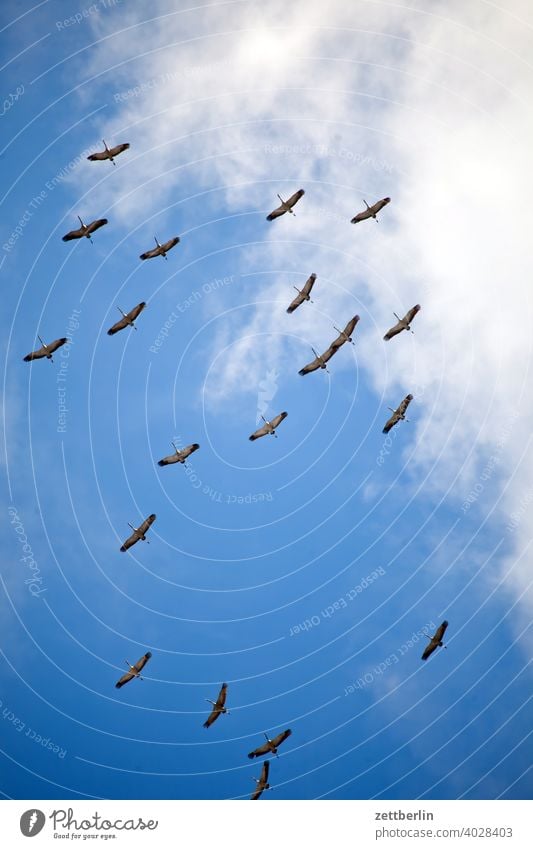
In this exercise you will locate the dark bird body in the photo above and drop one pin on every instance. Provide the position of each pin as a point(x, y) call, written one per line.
point(161, 250)
point(370, 211)
point(134, 670)
point(270, 745)
point(286, 205)
point(45, 350)
point(403, 323)
point(346, 334)
point(261, 782)
point(435, 641)
point(108, 153)
point(398, 414)
point(180, 455)
point(138, 533)
point(218, 706)
point(127, 319)
point(85, 230)
point(303, 294)
point(268, 427)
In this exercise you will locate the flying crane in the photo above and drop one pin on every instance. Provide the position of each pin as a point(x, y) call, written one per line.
point(261, 782)
point(435, 641)
point(45, 350)
point(303, 294)
point(127, 319)
point(85, 230)
point(160, 249)
point(218, 706)
point(346, 334)
point(108, 153)
point(180, 456)
point(403, 323)
point(134, 670)
point(370, 211)
point(271, 745)
point(268, 427)
point(138, 533)
point(398, 414)
point(286, 205)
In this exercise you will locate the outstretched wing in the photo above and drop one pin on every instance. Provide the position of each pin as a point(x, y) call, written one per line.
point(280, 210)
point(430, 648)
point(262, 784)
point(312, 366)
point(411, 314)
point(57, 343)
point(171, 243)
point(379, 205)
point(135, 537)
point(405, 403)
point(146, 524)
point(213, 716)
point(35, 355)
point(278, 419)
point(95, 225)
point(119, 325)
point(150, 254)
point(441, 630)
point(261, 750)
point(136, 311)
point(120, 148)
point(391, 422)
point(301, 296)
point(277, 741)
point(74, 234)
point(141, 663)
point(262, 431)
point(124, 680)
point(190, 449)
point(299, 299)
point(361, 216)
point(347, 332)
point(217, 709)
point(221, 701)
point(295, 198)
point(167, 461)
point(397, 328)
point(98, 157)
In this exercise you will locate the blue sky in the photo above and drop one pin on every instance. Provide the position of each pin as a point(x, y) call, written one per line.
point(371, 542)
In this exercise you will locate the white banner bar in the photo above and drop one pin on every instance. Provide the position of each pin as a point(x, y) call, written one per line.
point(280, 825)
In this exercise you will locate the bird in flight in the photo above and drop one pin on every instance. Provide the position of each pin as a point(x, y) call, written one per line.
point(286, 205)
point(134, 670)
point(403, 323)
point(45, 350)
point(268, 427)
point(218, 706)
point(160, 249)
point(303, 294)
point(435, 641)
point(346, 334)
point(180, 456)
point(398, 414)
point(271, 745)
point(138, 533)
point(370, 211)
point(85, 230)
point(127, 319)
point(108, 153)
point(261, 782)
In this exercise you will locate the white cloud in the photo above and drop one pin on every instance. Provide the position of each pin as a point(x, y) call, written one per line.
point(356, 102)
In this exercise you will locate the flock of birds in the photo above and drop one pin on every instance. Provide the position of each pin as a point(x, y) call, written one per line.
point(268, 428)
